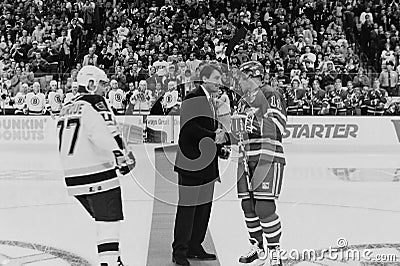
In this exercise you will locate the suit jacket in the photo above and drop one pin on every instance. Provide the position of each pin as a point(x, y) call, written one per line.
point(197, 154)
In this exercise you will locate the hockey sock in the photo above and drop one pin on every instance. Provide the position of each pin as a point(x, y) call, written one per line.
point(108, 242)
point(270, 222)
point(252, 221)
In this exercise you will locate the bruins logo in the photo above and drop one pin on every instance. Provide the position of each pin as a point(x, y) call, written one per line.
point(35, 101)
point(118, 97)
point(20, 100)
point(168, 99)
point(57, 98)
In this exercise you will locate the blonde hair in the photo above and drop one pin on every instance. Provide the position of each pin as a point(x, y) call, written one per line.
point(143, 82)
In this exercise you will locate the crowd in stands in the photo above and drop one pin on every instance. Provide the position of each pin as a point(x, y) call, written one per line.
point(152, 51)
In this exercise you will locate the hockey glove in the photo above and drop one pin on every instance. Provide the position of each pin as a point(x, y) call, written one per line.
point(225, 152)
point(131, 160)
point(122, 165)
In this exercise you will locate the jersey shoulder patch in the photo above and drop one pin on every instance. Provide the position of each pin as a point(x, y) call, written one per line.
point(96, 101)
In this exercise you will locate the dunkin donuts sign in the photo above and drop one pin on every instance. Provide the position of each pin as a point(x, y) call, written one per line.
point(22, 129)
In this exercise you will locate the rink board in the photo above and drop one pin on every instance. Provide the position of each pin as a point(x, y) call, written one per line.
point(314, 146)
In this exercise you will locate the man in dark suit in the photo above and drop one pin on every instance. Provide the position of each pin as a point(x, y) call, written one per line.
point(197, 166)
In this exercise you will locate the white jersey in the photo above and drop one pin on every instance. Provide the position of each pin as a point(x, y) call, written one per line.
point(54, 99)
point(116, 98)
point(6, 102)
point(141, 101)
point(161, 67)
point(87, 138)
point(19, 101)
point(35, 103)
point(70, 96)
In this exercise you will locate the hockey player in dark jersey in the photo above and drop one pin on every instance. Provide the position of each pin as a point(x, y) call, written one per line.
point(91, 149)
point(293, 96)
point(316, 100)
point(337, 96)
point(260, 169)
point(353, 99)
point(376, 99)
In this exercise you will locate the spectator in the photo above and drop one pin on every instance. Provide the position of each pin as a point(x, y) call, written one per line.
point(280, 34)
point(161, 65)
point(40, 69)
point(90, 59)
point(329, 74)
point(388, 79)
point(222, 104)
point(16, 81)
point(17, 53)
point(259, 31)
point(387, 55)
point(49, 53)
point(27, 76)
point(63, 43)
point(284, 51)
point(38, 33)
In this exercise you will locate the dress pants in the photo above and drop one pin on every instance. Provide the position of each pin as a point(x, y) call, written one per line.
point(192, 215)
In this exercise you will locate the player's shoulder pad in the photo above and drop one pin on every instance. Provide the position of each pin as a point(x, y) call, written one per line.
point(96, 101)
point(267, 90)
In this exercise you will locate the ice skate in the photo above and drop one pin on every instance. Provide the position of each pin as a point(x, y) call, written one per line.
point(274, 255)
point(255, 256)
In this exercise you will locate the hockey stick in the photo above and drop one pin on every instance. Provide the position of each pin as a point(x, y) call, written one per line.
point(238, 126)
point(245, 160)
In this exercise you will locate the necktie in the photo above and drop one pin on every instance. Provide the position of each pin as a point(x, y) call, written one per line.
point(389, 79)
point(213, 109)
point(211, 102)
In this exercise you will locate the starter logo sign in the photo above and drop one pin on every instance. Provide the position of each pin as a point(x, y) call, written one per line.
point(321, 131)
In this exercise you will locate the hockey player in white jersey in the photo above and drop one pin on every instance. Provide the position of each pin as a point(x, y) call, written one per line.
point(116, 98)
point(5, 99)
point(91, 149)
point(36, 101)
point(73, 93)
point(19, 100)
point(54, 98)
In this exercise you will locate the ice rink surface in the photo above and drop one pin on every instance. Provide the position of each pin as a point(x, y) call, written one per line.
point(41, 225)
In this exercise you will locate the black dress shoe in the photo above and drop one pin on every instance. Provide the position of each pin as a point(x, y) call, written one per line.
point(180, 261)
point(202, 255)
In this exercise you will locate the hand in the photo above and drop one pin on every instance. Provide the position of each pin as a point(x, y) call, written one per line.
point(220, 136)
point(225, 152)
